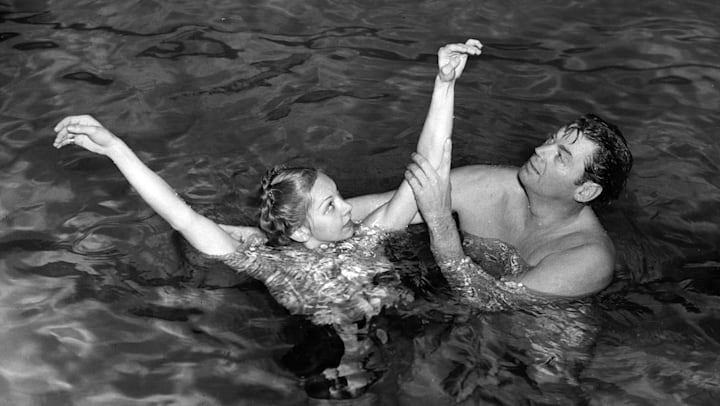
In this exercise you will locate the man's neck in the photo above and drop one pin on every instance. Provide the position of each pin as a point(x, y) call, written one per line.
point(546, 213)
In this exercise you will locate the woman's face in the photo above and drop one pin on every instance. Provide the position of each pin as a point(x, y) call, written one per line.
point(328, 217)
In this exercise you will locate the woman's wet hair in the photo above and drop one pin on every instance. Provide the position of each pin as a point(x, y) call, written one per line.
point(611, 163)
point(284, 201)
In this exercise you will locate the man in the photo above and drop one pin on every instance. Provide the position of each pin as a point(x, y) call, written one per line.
point(542, 209)
point(537, 223)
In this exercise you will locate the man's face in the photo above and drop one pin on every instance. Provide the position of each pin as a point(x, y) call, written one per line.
point(329, 214)
point(557, 164)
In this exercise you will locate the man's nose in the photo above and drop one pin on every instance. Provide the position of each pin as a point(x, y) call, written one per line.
point(541, 150)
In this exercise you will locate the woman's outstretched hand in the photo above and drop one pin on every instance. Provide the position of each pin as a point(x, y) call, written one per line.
point(452, 58)
point(84, 131)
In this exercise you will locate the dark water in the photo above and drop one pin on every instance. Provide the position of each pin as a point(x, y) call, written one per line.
point(101, 304)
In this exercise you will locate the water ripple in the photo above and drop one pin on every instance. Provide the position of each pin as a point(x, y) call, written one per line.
point(88, 77)
point(31, 46)
point(4, 36)
point(190, 44)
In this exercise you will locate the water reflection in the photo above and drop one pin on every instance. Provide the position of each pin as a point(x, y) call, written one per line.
point(506, 358)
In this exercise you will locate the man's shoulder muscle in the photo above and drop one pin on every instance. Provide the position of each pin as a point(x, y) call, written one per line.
point(582, 264)
point(483, 173)
point(481, 196)
point(482, 180)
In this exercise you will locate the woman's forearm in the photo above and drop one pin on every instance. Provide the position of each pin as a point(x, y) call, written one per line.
point(151, 187)
point(439, 121)
point(202, 233)
point(400, 210)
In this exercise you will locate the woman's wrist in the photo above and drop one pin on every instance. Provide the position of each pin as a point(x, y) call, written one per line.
point(118, 150)
point(449, 84)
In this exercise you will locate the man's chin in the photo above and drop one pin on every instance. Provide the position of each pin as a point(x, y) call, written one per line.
point(523, 173)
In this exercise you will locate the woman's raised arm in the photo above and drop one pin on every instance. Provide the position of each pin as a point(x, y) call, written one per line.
point(399, 211)
point(201, 232)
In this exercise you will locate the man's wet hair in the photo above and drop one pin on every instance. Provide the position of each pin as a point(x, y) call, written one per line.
point(610, 165)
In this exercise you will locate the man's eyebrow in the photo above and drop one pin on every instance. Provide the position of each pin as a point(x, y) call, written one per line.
point(570, 130)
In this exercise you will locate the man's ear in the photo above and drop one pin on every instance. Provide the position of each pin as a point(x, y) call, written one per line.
point(586, 192)
point(302, 234)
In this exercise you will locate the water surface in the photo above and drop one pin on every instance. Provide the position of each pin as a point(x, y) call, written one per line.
point(101, 304)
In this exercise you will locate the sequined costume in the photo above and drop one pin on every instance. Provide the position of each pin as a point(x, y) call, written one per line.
point(339, 284)
point(332, 285)
point(482, 271)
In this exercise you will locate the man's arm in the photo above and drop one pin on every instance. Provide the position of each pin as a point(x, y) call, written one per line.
point(569, 274)
point(468, 280)
point(472, 285)
point(481, 290)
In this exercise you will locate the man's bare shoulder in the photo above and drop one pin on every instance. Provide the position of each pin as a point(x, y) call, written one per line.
point(484, 171)
point(586, 234)
point(595, 241)
point(481, 177)
point(590, 232)
point(487, 199)
point(579, 264)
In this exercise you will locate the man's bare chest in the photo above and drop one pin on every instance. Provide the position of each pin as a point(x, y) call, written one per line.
point(531, 245)
point(506, 221)
point(497, 219)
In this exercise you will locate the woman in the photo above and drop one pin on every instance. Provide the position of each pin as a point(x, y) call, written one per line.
point(330, 277)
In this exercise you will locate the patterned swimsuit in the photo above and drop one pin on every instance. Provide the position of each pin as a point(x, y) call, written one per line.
point(334, 284)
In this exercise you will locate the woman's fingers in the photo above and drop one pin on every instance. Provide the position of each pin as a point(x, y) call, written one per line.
point(74, 131)
point(83, 119)
point(82, 129)
point(63, 123)
point(475, 46)
point(62, 138)
point(453, 57)
point(68, 138)
point(471, 47)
